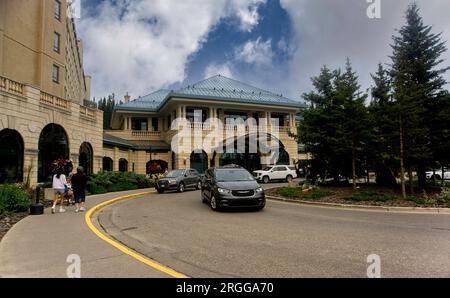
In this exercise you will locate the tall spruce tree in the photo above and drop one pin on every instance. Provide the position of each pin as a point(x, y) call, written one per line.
point(334, 127)
point(417, 83)
point(354, 119)
point(317, 129)
point(383, 146)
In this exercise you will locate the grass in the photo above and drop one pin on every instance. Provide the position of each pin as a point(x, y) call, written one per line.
point(298, 193)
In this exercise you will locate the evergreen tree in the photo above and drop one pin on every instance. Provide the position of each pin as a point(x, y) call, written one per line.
point(334, 127)
point(355, 118)
point(383, 146)
point(440, 132)
point(417, 83)
point(107, 106)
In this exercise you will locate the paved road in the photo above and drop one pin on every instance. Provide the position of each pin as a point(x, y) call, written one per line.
point(38, 246)
point(284, 240)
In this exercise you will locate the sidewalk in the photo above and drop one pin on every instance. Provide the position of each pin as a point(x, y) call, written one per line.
point(38, 246)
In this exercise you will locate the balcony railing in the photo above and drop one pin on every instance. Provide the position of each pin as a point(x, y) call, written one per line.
point(87, 112)
point(54, 101)
point(145, 133)
point(10, 86)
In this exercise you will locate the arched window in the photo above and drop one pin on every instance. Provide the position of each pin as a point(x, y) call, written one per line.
point(108, 164)
point(11, 156)
point(123, 165)
point(86, 158)
point(199, 161)
point(283, 157)
point(53, 151)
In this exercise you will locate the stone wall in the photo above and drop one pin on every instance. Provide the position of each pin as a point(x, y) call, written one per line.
point(27, 110)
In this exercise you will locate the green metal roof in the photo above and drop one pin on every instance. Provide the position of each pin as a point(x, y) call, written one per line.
point(217, 88)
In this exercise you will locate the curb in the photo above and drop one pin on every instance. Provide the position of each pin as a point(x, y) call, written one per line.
point(419, 210)
point(121, 247)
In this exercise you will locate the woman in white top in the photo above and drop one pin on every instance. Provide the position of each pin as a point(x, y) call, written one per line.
point(59, 185)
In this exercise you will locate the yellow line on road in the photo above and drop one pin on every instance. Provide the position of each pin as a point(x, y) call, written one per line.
point(121, 247)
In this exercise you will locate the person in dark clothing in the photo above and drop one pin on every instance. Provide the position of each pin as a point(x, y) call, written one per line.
point(79, 181)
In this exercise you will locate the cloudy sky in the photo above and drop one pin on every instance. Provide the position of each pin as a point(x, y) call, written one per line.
point(139, 46)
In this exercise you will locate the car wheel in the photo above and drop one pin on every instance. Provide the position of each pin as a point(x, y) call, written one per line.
point(266, 179)
point(289, 178)
point(213, 204)
point(181, 188)
point(160, 190)
point(259, 208)
point(199, 185)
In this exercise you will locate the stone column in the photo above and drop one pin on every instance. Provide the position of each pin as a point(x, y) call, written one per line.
point(179, 112)
point(31, 157)
point(116, 160)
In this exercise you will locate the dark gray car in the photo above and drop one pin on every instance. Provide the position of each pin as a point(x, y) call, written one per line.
point(232, 187)
point(179, 180)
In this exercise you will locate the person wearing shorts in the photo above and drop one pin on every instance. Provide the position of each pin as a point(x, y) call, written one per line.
point(59, 186)
point(79, 181)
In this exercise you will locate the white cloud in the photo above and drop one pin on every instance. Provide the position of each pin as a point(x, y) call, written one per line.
point(256, 52)
point(248, 14)
point(142, 45)
point(218, 69)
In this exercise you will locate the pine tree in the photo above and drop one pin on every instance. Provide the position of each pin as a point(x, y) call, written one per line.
point(334, 127)
point(355, 118)
point(417, 82)
point(384, 135)
point(107, 106)
point(316, 129)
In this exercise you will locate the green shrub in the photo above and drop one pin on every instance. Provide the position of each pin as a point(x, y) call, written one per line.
point(444, 196)
point(372, 196)
point(95, 189)
point(417, 200)
point(117, 181)
point(13, 199)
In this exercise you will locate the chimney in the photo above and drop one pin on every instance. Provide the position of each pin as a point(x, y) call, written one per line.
point(127, 98)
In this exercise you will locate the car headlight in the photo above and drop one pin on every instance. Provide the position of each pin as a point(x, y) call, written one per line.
point(224, 191)
point(172, 181)
point(259, 190)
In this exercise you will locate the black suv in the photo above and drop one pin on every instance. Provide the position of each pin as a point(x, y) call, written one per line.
point(179, 180)
point(231, 187)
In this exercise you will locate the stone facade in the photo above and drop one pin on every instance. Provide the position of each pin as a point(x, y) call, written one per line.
point(28, 110)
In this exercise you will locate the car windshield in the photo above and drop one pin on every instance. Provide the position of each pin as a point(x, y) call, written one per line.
point(175, 174)
point(233, 175)
point(267, 169)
